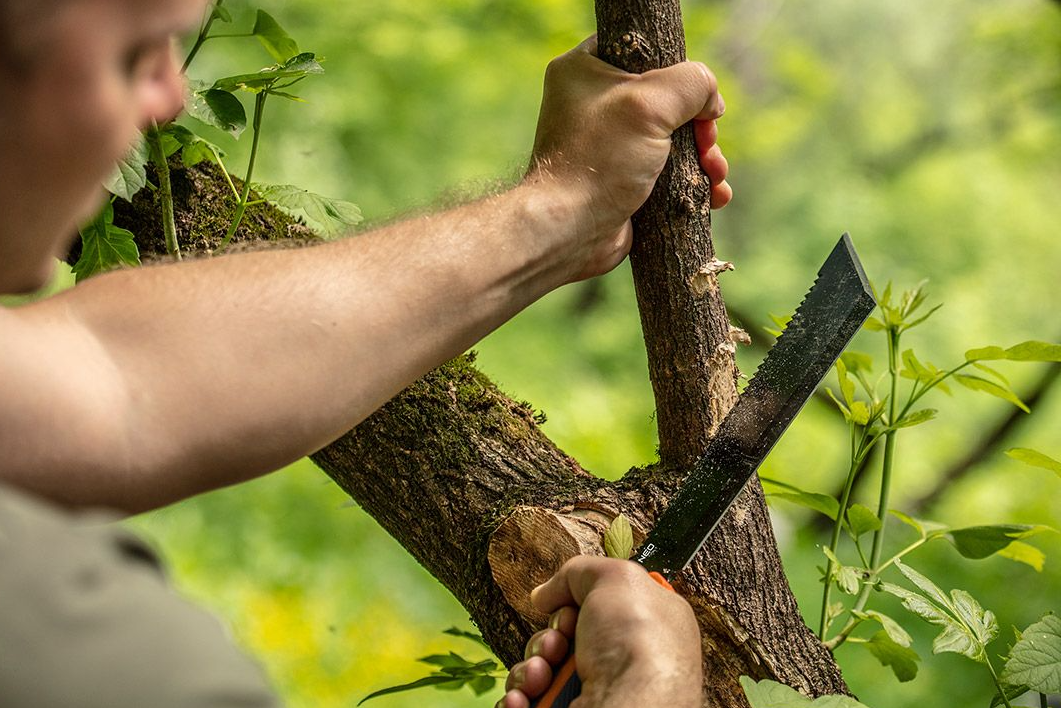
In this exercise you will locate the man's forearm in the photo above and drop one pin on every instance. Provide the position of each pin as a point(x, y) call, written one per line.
point(232, 367)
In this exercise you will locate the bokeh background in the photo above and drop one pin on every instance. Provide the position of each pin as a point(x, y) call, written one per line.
point(930, 131)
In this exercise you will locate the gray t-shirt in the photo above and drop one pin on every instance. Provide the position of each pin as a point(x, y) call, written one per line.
point(88, 621)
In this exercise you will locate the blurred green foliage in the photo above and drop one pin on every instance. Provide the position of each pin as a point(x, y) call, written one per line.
point(930, 131)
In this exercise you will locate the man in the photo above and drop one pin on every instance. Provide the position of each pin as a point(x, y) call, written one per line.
point(130, 391)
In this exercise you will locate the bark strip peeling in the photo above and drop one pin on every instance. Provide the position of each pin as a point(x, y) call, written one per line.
point(683, 316)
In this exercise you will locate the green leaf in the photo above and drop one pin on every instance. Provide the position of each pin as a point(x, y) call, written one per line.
point(914, 369)
point(1034, 351)
point(930, 589)
point(917, 418)
point(619, 538)
point(978, 542)
point(1035, 459)
point(910, 521)
point(448, 661)
point(916, 603)
point(302, 65)
point(901, 659)
point(288, 96)
point(1024, 553)
point(860, 413)
point(985, 354)
point(976, 383)
point(330, 217)
point(874, 325)
point(861, 520)
point(130, 174)
point(458, 632)
point(220, 109)
point(295, 68)
point(273, 37)
point(893, 629)
point(913, 299)
point(922, 318)
point(993, 372)
point(967, 627)
point(847, 578)
point(105, 246)
point(982, 622)
point(1025, 351)
point(843, 409)
point(482, 684)
point(780, 323)
point(1035, 660)
point(436, 680)
point(857, 362)
point(193, 149)
point(770, 694)
point(885, 299)
point(847, 386)
point(822, 503)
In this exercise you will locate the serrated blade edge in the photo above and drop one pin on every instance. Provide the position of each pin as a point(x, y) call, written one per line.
point(830, 314)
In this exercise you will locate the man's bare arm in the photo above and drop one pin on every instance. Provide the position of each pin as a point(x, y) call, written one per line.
point(142, 387)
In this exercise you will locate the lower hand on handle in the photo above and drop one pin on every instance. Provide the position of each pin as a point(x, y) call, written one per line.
point(637, 645)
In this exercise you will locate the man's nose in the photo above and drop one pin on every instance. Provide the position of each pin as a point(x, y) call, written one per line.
point(163, 87)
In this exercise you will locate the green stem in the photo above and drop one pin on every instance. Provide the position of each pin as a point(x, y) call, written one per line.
point(1042, 701)
point(204, 33)
point(834, 542)
point(169, 224)
point(928, 387)
point(998, 684)
point(224, 171)
point(241, 208)
point(860, 604)
point(889, 449)
point(885, 491)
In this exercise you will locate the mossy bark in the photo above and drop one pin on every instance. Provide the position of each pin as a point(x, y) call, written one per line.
point(443, 463)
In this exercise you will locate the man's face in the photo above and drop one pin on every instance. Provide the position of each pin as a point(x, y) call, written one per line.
point(83, 77)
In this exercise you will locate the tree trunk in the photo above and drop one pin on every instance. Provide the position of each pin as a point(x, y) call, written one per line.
point(463, 478)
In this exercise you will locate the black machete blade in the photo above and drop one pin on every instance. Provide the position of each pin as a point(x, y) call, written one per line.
point(829, 316)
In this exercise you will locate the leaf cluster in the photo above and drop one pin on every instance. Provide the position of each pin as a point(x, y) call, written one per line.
point(451, 672)
point(216, 104)
point(877, 409)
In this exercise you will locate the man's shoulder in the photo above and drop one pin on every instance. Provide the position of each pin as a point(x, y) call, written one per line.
point(96, 625)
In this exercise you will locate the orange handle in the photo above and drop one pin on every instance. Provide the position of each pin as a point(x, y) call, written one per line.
point(660, 580)
point(566, 685)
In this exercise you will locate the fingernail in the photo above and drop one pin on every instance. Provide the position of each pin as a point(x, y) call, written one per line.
point(534, 648)
point(519, 674)
point(554, 620)
point(501, 703)
point(721, 105)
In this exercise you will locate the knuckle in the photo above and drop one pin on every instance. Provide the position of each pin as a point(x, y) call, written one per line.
point(638, 105)
point(555, 67)
point(627, 571)
point(706, 76)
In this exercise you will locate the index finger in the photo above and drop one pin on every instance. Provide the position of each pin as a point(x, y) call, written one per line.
point(580, 575)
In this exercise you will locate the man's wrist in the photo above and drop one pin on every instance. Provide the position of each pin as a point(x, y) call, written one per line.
point(559, 215)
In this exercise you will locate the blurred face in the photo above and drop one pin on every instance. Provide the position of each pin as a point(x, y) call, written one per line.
point(78, 78)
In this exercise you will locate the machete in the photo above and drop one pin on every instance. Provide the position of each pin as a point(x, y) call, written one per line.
point(831, 313)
